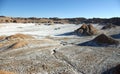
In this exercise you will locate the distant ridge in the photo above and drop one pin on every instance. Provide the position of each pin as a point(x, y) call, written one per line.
point(55, 20)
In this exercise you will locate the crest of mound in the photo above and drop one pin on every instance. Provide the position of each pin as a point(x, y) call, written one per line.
point(109, 26)
point(19, 36)
point(104, 39)
point(19, 44)
point(6, 72)
point(84, 26)
point(86, 30)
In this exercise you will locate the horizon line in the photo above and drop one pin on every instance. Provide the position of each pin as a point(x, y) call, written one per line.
point(59, 17)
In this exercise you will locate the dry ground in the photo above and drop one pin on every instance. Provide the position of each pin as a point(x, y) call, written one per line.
point(59, 55)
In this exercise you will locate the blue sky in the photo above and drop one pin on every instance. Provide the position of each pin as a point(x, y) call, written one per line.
point(60, 8)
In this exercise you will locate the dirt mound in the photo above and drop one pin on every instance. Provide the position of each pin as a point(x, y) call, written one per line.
point(15, 41)
point(86, 30)
point(109, 26)
point(104, 39)
point(19, 44)
point(92, 30)
point(6, 72)
point(19, 36)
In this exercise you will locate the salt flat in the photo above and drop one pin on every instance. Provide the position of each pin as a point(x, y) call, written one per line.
point(55, 51)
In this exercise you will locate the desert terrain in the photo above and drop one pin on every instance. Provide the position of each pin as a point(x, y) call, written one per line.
point(32, 48)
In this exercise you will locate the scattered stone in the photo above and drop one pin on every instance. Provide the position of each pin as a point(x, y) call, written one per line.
point(37, 24)
point(57, 28)
point(54, 51)
point(63, 43)
point(44, 67)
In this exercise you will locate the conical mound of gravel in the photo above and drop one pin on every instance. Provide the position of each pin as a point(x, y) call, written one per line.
point(104, 39)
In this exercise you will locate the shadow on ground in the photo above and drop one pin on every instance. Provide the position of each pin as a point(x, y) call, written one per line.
point(108, 71)
point(71, 33)
point(95, 44)
point(90, 43)
point(113, 70)
point(66, 34)
point(116, 36)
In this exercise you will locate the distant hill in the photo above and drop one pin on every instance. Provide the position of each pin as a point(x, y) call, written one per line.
point(115, 20)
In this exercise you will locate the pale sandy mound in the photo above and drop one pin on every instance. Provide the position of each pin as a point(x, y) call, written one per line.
point(6, 72)
point(104, 39)
point(19, 44)
point(15, 41)
point(86, 30)
point(19, 36)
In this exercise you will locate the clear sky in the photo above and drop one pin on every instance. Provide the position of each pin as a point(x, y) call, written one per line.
point(60, 8)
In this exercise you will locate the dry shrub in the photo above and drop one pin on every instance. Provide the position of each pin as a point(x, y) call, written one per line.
point(19, 44)
point(6, 72)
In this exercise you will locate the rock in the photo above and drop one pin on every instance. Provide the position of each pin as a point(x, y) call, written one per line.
point(109, 26)
point(86, 30)
point(57, 28)
point(104, 39)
